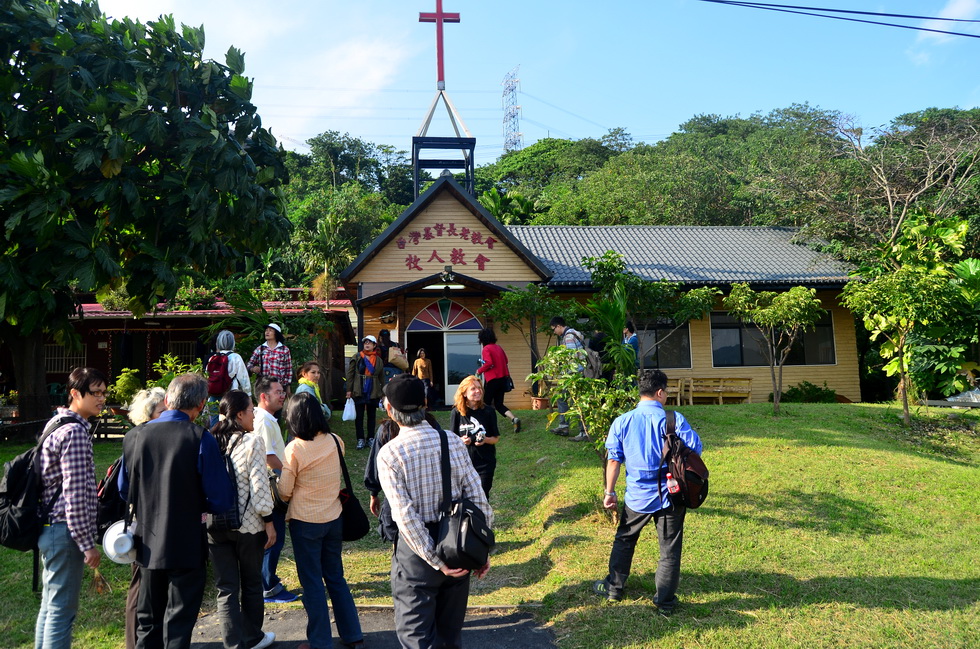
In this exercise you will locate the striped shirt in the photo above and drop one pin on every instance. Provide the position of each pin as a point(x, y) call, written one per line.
point(66, 459)
point(311, 479)
point(276, 363)
point(411, 476)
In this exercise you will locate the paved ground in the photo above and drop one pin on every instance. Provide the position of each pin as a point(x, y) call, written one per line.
point(483, 629)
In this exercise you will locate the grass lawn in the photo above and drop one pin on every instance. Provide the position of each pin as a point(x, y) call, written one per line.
point(829, 526)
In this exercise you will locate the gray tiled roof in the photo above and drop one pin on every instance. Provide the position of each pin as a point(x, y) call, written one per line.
point(686, 254)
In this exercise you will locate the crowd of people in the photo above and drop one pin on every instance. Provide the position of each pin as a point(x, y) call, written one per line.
point(176, 474)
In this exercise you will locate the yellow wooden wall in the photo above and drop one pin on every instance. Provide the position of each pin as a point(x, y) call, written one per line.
point(389, 264)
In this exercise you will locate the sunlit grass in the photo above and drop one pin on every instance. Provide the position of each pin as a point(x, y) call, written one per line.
point(829, 526)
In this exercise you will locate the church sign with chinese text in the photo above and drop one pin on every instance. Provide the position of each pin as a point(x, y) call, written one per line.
point(442, 244)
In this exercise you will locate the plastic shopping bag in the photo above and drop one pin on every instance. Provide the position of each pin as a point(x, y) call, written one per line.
point(350, 412)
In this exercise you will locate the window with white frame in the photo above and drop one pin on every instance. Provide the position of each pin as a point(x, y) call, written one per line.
point(60, 360)
point(185, 350)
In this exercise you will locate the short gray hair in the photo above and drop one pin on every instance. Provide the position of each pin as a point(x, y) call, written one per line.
point(187, 391)
point(407, 418)
point(225, 341)
point(144, 403)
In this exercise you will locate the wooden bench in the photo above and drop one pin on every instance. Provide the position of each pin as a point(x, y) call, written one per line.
point(718, 389)
point(675, 390)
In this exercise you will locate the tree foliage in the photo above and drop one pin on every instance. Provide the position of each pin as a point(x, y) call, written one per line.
point(126, 159)
point(529, 310)
point(923, 301)
point(647, 304)
point(780, 317)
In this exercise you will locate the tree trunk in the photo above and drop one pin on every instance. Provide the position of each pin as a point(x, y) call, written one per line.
point(28, 356)
point(776, 383)
point(903, 378)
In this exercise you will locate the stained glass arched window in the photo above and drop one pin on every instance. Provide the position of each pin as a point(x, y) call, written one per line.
point(444, 315)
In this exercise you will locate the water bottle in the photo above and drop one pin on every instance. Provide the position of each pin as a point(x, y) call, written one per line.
point(672, 485)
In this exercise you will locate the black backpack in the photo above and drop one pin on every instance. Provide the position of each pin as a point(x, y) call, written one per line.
point(112, 507)
point(22, 514)
point(686, 467)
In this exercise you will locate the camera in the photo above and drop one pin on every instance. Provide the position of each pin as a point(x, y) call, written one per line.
point(474, 431)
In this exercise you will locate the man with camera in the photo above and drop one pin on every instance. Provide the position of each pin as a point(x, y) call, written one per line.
point(429, 596)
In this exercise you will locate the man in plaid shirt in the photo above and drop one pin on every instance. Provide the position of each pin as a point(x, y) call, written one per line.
point(429, 596)
point(67, 542)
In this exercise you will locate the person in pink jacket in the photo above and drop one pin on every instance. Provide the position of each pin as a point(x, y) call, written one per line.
point(496, 375)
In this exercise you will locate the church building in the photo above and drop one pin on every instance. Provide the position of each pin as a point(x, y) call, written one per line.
point(427, 276)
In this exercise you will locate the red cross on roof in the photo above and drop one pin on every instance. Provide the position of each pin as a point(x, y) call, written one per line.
point(439, 17)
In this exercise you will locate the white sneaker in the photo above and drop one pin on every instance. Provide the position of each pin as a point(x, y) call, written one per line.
point(267, 640)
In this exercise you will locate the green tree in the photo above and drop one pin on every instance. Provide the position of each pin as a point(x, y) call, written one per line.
point(334, 225)
point(928, 343)
point(510, 208)
point(529, 310)
point(648, 304)
point(895, 304)
point(126, 159)
point(780, 317)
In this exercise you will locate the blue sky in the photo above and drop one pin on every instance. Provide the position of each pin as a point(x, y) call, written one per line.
point(368, 67)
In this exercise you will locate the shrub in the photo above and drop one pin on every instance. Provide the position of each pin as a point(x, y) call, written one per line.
point(806, 392)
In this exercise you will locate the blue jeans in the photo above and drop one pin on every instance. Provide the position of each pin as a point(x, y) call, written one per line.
point(316, 547)
point(562, 404)
point(270, 558)
point(61, 577)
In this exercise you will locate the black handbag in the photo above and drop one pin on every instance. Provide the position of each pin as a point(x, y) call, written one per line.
point(230, 520)
point(356, 525)
point(463, 538)
point(508, 384)
point(278, 504)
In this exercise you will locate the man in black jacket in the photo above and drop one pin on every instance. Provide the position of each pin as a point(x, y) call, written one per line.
point(177, 473)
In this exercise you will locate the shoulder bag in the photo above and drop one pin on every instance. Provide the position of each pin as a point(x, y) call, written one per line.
point(356, 525)
point(232, 519)
point(463, 538)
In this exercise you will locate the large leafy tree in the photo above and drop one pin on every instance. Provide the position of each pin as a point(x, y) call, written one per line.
point(126, 160)
point(922, 301)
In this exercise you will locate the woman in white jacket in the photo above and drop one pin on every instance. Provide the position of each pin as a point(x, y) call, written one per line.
point(237, 554)
point(224, 343)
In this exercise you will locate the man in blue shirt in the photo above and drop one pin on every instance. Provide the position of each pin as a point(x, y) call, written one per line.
point(629, 338)
point(636, 439)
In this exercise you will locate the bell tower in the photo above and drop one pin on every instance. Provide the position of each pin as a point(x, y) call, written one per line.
point(463, 141)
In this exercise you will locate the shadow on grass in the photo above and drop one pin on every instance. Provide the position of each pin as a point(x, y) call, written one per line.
point(751, 590)
point(824, 512)
point(635, 620)
point(570, 513)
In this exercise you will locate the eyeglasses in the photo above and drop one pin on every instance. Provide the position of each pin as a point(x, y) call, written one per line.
point(98, 394)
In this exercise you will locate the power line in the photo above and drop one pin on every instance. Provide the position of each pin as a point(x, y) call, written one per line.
point(547, 103)
point(786, 9)
point(843, 11)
